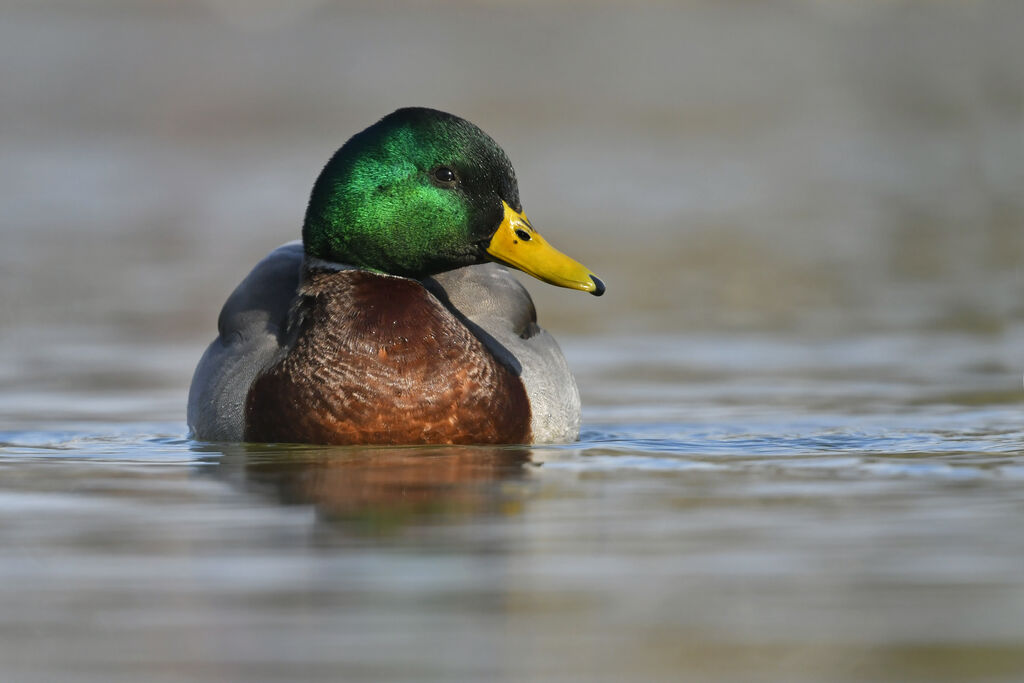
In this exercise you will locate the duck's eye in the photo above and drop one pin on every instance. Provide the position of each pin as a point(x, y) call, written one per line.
point(444, 175)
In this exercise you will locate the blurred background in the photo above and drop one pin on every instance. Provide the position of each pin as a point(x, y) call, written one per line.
point(802, 390)
point(795, 166)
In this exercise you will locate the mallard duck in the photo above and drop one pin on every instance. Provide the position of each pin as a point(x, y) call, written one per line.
point(392, 322)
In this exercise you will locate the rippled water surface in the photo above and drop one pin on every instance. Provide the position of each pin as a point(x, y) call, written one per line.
point(784, 518)
point(803, 427)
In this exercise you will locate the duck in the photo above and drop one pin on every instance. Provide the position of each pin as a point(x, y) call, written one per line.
point(396, 319)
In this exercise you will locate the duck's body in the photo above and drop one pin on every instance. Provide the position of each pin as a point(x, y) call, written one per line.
point(318, 353)
point(385, 325)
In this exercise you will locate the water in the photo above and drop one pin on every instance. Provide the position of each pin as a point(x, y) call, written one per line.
point(793, 511)
point(803, 425)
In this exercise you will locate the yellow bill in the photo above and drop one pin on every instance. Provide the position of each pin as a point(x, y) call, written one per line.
point(517, 244)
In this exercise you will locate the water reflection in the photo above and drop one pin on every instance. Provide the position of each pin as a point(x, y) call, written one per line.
point(380, 489)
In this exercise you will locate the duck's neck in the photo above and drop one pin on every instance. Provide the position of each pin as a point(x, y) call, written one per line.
point(313, 264)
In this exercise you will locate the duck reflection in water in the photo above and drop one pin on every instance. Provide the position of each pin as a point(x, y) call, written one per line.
point(381, 488)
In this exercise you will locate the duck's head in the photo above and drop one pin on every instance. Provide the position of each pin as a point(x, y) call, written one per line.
point(421, 192)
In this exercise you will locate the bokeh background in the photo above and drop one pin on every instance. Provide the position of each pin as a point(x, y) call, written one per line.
point(813, 167)
point(811, 207)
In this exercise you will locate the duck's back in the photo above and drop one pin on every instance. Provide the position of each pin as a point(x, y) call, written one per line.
point(252, 328)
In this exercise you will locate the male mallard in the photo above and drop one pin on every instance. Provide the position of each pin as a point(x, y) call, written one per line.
point(386, 324)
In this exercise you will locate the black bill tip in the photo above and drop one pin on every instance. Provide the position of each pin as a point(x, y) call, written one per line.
point(599, 286)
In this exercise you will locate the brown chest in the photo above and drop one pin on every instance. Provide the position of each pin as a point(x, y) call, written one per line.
point(378, 360)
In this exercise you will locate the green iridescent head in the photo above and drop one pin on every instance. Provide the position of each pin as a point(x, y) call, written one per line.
point(421, 192)
point(418, 192)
